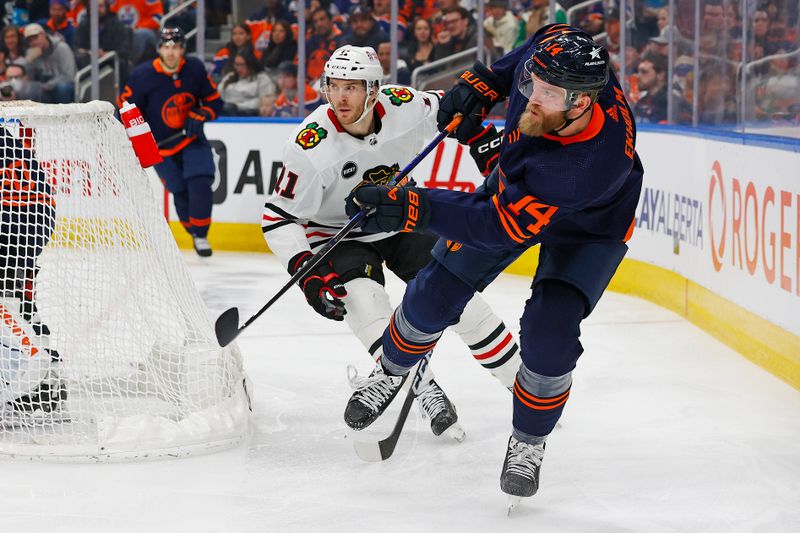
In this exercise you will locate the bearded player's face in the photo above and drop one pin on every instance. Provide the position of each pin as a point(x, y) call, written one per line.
point(537, 120)
point(170, 55)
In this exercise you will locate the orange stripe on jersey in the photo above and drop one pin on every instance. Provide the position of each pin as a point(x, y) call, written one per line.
point(213, 96)
point(200, 221)
point(511, 227)
point(403, 345)
point(127, 92)
point(629, 233)
point(167, 152)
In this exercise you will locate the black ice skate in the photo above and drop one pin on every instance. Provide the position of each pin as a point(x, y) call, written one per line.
point(372, 396)
point(434, 404)
point(520, 476)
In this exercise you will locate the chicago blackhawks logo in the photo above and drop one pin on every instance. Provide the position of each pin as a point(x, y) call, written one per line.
point(311, 136)
point(381, 174)
point(398, 95)
point(175, 109)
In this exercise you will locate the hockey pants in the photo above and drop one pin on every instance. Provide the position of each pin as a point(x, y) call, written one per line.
point(568, 283)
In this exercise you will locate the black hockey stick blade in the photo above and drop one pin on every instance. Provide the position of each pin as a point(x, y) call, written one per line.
point(376, 451)
point(227, 326)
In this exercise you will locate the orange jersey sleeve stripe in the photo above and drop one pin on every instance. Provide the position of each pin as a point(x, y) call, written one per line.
point(508, 224)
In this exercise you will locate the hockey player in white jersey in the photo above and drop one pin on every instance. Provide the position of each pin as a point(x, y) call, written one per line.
point(367, 133)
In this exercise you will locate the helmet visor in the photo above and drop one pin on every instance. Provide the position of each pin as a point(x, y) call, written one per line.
point(540, 92)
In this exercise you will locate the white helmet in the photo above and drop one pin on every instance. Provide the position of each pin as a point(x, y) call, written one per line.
point(354, 63)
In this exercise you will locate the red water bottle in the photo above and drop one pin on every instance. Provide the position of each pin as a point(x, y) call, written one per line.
point(144, 145)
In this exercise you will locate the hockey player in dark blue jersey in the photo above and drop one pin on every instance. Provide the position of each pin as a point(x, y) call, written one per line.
point(568, 178)
point(29, 381)
point(175, 95)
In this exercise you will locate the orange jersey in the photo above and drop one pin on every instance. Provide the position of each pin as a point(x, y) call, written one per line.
point(139, 13)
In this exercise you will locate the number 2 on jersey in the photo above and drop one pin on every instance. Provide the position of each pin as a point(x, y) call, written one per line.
point(286, 189)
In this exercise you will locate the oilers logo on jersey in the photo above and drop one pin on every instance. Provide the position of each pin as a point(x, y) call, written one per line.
point(311, 135)
point(176, 108)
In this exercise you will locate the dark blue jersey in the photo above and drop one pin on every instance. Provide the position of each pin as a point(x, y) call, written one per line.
point(582, 188)
point(166, 99)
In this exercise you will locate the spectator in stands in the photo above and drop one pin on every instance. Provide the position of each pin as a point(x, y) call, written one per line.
point(13, 46)
point(282, 47)
point(715, 101)
point(652, 84)
point(321, 44)
point(458, 34)
point(781, 93)
point(501, 25)
point(287, 103)
point(683, 89)
point(538, 14)
point(713, 17)
point(420, 47)
point(22, 88)
point(266, 106)
point(243, 88)
point(50, 62)
point(58, 23)
point(241, 41)
point(382, 11)
point(273, 11)
point(662, 19)
point(385, 58)
point(364, 31)
point(114, 36)
point(144, 18)
point(760, 27)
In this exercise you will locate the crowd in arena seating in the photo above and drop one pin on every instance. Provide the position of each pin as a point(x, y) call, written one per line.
point(45, 41)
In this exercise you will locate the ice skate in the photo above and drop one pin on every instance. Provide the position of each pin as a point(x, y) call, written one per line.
point(520, 475)
point(434, 404)
point(202, 247)
point(371, 397)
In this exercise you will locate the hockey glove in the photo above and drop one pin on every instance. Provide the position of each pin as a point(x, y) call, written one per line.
point(321, 286)
point(396, 208)
point(195, 120)
point(477, 91)
point(485, 149)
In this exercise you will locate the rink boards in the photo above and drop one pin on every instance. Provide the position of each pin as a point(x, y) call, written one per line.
point(717, 235)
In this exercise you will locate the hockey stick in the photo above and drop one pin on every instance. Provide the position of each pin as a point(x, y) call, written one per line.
point(227, 326)
point(376, 451)
point(172, 138)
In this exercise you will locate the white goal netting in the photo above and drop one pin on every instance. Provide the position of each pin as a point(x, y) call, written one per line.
point(107, 351)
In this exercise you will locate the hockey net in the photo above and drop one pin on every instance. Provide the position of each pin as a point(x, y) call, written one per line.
point(107, 351)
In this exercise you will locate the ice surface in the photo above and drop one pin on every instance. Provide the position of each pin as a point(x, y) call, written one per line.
point(666, 430)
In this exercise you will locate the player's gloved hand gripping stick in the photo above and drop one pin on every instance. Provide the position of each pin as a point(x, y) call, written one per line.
point(227, 326)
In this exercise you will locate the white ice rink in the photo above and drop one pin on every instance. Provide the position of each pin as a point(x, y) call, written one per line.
point(666, 430)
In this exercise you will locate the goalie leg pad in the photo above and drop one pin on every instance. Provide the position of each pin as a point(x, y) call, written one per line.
point(490, 341)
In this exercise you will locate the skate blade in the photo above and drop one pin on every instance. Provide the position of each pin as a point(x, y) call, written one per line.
point(513, 502)
point(455, 432)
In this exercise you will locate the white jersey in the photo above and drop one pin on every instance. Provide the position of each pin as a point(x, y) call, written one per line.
point(322, 163)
